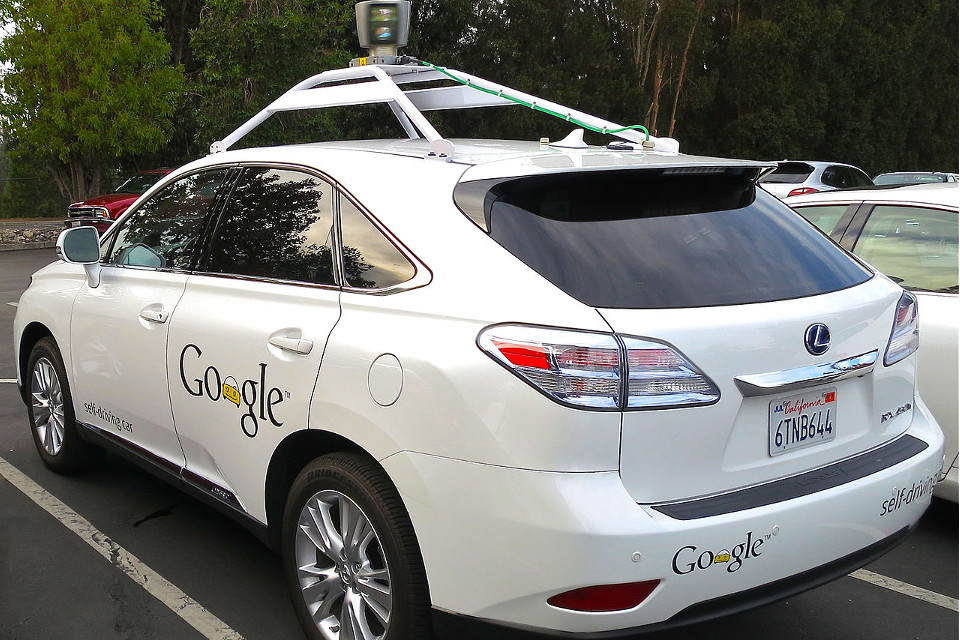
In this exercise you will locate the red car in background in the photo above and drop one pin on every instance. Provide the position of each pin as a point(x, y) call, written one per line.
point(101, 211)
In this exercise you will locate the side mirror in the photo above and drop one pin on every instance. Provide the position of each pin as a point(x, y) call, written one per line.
point(81, 245)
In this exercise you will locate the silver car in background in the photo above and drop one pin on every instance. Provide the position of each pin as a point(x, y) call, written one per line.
point(793, 178)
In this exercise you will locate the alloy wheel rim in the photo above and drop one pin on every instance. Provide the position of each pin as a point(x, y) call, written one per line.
point(47, 400)
point(342, 569)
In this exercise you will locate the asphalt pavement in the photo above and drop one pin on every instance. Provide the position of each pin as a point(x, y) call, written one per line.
point(115, 553)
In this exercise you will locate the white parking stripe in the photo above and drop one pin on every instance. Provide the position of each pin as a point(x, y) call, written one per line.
point(906, 589)
point(8, 381)
point(12, 304)
point(196, 616)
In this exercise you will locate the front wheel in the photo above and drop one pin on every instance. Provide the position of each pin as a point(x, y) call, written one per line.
point(350, 555)
point(51, 412)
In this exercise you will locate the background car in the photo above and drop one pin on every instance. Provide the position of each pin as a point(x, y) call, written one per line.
point(909, 233)
point(792, 178)
point(914, 177)
point(101, 211)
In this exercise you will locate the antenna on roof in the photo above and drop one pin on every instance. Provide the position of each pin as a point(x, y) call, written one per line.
point(382, 27)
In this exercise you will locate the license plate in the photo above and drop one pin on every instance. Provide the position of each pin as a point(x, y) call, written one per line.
point(802, 421)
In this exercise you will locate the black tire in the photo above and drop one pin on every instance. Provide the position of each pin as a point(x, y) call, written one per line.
point(323, 483)
point(50, 409)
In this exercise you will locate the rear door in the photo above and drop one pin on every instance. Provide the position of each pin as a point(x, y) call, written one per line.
point(246, 343)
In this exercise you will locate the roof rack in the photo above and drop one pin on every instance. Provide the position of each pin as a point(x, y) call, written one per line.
point(379, 83)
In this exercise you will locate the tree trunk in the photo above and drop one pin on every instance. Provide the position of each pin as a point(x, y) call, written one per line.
point(657, 88)
point(683, 68)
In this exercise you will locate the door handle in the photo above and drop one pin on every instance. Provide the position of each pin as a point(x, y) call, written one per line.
point(154, 313)
point(296, 345)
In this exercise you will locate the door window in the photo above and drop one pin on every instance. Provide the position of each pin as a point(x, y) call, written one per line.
point(915, 246)
point(277, 224)
point(162, 233)
point(370, 260)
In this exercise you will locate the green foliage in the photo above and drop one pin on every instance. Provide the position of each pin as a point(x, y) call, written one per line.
point(90, 81)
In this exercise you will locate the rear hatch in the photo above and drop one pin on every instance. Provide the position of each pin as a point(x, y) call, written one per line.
point(786, 177)
point(734, 282)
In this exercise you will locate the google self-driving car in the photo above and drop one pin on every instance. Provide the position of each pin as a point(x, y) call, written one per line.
point(509, 386)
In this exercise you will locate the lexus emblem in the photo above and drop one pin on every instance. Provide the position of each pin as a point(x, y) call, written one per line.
point(817, 339)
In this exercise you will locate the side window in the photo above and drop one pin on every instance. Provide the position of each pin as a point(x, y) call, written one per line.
point(825, 217)
point(370, 260)
point(831, 176)
point(163, 232)
point(277, 224)
point(860, 179)
point(915, 246)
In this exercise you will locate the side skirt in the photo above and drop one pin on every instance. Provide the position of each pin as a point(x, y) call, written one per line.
point(189, 482)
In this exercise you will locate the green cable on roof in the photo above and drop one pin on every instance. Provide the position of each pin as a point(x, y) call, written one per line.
point(501, 94)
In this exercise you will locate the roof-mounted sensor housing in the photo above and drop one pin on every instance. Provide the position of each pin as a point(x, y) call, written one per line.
point(383, 26)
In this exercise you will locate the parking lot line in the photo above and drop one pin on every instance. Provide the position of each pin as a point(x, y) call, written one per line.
point(906, 589)
point(8, 381)
point(156, 585)
point(12, 304)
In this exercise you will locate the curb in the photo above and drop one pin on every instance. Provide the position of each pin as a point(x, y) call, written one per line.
point(35, 245)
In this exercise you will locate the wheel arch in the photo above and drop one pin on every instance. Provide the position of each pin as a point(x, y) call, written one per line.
point(292, 454)
point(32, 334)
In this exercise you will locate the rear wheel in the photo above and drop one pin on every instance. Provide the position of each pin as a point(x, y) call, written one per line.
point(51, 412)
point(350, 555)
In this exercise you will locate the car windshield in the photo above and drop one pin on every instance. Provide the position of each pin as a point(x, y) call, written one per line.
point(140, 183)
point(788, 172)
point(641, 240)
point(908, 178)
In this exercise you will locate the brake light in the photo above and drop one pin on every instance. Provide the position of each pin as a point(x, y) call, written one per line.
point(802, 191)
point(586, 369)
point(607, 597)
point(574, 367)
point(905, 335)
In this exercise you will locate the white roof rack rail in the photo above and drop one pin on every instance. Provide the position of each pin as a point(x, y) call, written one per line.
point(382, 84)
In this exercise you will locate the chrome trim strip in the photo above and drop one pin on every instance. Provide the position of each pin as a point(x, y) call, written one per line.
point(762, 384)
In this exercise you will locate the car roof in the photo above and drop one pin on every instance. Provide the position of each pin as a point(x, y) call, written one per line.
point(477, 159)
point(937, 193)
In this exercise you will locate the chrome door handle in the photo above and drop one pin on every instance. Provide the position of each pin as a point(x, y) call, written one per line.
point(158, 316)
point(296, 345)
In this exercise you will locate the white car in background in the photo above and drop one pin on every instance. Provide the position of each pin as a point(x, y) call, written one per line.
point(559, 388)
point(793, 178)
point(910, 234)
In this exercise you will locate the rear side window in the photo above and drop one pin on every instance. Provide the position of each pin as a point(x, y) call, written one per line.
point(788, 173)
point(634, 239)
point(277, 224)
point(370, 260)
point(834, 177)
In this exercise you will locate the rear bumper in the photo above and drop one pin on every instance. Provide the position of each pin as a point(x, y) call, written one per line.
point(498, 542)
point(448, 626)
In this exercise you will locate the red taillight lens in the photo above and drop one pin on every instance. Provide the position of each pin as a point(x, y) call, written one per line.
point(802, 191)
point(606, 597)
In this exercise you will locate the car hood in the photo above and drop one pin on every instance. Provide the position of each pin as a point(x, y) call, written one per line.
point(115, 199)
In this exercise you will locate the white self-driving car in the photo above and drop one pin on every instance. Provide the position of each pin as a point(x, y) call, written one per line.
point(517, 387)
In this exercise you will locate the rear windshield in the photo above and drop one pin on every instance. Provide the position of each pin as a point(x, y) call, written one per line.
point(636, 239)
point(788, 172)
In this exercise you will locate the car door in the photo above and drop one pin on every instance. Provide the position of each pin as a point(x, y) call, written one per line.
point(249, 333)
point(119, 328)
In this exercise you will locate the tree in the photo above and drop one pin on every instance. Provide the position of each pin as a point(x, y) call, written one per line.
point(88, 81)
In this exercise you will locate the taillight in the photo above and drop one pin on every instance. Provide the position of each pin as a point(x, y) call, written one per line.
point(661, 377)
point(606, 597)
point(573, 367)
point(802, 191)
point(905, 335)
point(586, 369)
